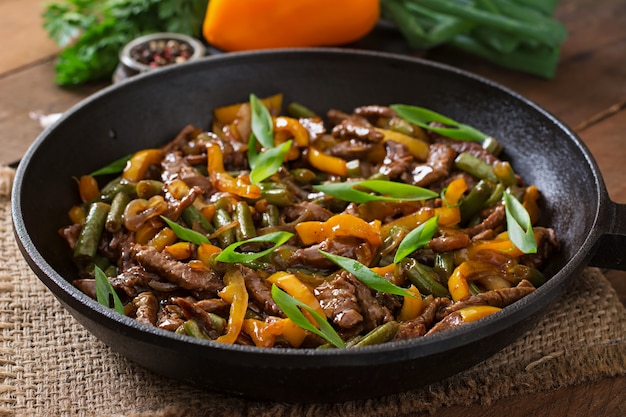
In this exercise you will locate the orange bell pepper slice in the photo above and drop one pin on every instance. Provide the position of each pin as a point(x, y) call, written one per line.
point(223, 181)
point(327, 163)
point(139, 163)
point(286, 128)
point(264, 333)
point(340, 225)
point(473, 313)
point(88, 188)
point(236, 294)
point(416, 147)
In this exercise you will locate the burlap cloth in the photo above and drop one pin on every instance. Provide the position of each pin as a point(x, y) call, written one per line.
point(51, 366)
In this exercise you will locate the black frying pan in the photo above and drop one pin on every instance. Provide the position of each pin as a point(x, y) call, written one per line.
point(149, 110)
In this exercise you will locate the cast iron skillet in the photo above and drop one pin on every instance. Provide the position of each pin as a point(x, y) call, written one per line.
point(148, 111)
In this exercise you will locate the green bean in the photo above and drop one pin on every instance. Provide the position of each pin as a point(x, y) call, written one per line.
point(398, 124)
point(221, 219)
point(496, 195)
point(192, 328)
point(195, 219)
point(89, 237)
point(381, 334)
point(245, 229)
point(424, 278)
point(149, 188)
point(474, 290)
point(475, 200)
point(277, 194)
point(271, 216)
point(303, 175)
point(533, 275)
point(492, 146)
point(219, 323)
point(300, 111)
point(354, 168)
point(379, 176)
point(444, 265)
point(475, 166)
point(118, 185)
point(504, 172)
point(114, 218)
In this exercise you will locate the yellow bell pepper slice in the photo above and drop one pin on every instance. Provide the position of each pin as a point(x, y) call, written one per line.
point(286, 128)
point(457, 283)
point(205, 251)
point(264, 333)
point(223, 181)
point(327, 163)
point(139, 163)
point(416, 147)
point(163, 238)
point(411, 306)
point(454, 191)
point(410, 221)
point(226, 115)
point(180, 250)
point(473, 313)
point(88, 188)
point(530, 203)
point(236, 294)
point(298, 290)
point(342, 225)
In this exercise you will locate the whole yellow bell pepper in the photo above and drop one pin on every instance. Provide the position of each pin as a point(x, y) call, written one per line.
point(237, 25)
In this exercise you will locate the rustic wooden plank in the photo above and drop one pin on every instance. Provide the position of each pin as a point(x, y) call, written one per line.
point(29, 42)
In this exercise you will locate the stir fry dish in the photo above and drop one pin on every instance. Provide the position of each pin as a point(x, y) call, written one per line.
point(288, 229)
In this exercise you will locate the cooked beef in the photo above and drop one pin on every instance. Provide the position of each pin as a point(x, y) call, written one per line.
point(260, 290)
point(175, 166)
point(192, 311)
point(133, 280)
point(454, 319)
point(306, 211)
point(438, 165)
point(397, 160)
point(170, 318)
point(373, 312)
point(419, 326)
point(146, 308)
point(70, 234)
point(471, 148)
point(496, 298)
point(350, 149)
point(212, 305)
point(353, 127)
point(315, 127)
point(86, 285)
point(339, 301)
point(197, 279)
point(374, 112)
point(495, 221)
point(180, 141)
point(449, 241)
point(547, 244)
point(350, 247)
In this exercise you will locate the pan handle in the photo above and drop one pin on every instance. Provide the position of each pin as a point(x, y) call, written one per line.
point(610, 249)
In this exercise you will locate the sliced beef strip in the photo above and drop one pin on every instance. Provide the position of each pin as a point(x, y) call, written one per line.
point(419, 326)
point(438, 166)
point(349, 247)
point(397, 160)
point(306, 210)
point(375, 111)
point(496, 298)
point(192, 311)
point(186, 134)
point(195, 279)
point(146, 308)
point(170, 318)
point(447, 242)
point(347, 126)
point(175, 166)
point(133, 280)
point(462, 146)
point(339, 301)
point(496, 221)
point(260, 290)
point(350, 149)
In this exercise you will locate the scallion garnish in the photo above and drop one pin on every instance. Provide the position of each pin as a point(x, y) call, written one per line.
point(366, 275)
point(230, 255)
point(114, 167)
point(289, 306)
point(268, 163)
point(393, 191)
point(423, 117)
point(417, 238)
point(186, 234)
point(262, 124)
point(105, 291)
point(518, 224)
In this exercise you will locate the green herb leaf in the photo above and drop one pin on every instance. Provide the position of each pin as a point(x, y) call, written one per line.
point(262, 124)
point(104, 291)
point(394, 191)
point(268, 163)
point(230, 255)
point(366, 275)
point(114, 167)
point(518, 224)
point(186, 234)
point(423, 117)
point(417, 238)
point(289, 306)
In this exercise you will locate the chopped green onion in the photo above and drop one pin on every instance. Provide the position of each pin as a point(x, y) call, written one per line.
point(268, 163)
point(289, 306)
point(105, 291)
point(518, 224)
point(366, 275)
point(394, 191)
point(262, 124)
point(114, 167)
point(423, 117)
point(186, 234)
point(230, 255)
point(417, 238)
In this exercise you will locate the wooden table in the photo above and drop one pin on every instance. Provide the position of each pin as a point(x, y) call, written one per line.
point(588, 94)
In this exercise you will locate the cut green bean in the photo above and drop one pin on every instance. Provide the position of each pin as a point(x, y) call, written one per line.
point(193, 329)
point(475, 200)
point(195, 220)
point(271, 216)
point(226, 237)
point(381, 334)
point(245, 229)
point(444, 265)
point(300, 111)
point(475, 166)
point(109, 191)
point(114, 218)
point(424, 278)
point(277, 194)
point(90, 234)
point(149, 188)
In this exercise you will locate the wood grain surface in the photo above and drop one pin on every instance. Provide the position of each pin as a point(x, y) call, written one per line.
point(588, 94)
